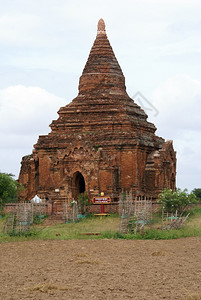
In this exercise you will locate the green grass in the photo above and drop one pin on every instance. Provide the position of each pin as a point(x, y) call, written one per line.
point(91, 225)
point(107, 228)
point(155, 234)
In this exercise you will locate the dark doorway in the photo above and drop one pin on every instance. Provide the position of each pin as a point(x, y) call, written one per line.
point(78, 184)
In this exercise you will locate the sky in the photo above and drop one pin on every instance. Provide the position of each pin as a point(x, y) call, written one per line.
point(44, 45)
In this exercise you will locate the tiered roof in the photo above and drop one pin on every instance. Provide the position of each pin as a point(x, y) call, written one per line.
point(102, 108)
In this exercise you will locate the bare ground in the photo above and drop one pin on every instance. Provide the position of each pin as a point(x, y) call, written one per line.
point(101, 269)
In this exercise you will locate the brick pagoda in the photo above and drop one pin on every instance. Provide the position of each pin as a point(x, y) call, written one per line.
point(101, 141)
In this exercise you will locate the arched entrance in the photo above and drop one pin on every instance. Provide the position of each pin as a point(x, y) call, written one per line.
point(78, 184)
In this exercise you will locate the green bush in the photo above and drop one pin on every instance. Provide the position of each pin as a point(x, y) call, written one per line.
point(9, 188)
point(172, 201)
point(38, 219)
point(195, 211)
point(30, 233)
point(197, 193)
point(83, 202)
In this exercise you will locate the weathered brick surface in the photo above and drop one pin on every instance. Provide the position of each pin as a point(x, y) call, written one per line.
point(102, 135)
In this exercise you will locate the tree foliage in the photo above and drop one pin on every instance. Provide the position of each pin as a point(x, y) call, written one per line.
point(197, 193)
point(178, 200)
point(83, 202)
point(8, 189)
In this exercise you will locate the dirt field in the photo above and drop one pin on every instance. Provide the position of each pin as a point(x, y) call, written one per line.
point(105, 269)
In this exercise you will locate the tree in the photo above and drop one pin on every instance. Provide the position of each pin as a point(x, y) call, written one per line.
point(8, 189)
point(83, 202)
point(197, 193)
point(178, 200)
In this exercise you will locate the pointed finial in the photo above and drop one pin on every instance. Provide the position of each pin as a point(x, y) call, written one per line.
point(101, 27)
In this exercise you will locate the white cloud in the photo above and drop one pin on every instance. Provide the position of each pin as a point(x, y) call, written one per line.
point(26, 110)
point(176, 45)
point(25, 113)
point(18, 27)
point(178, 101)
point(152, 39)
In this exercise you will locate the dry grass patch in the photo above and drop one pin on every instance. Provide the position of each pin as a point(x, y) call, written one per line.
point(160, 253)
point(89, 262)
point(194, 296)
point(77, 255)
point(46, 288)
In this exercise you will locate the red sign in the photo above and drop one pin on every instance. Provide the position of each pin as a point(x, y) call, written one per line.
point(101, 200)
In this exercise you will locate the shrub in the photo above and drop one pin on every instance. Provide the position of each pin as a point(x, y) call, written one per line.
point(172, 201)
point(83, 202)
point(8, 189)
point(197, 193)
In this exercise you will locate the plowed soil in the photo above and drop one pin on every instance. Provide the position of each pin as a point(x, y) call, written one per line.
point(101, 269)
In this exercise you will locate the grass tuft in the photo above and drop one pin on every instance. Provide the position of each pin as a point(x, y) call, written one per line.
point(46, 288)
point(194, 296)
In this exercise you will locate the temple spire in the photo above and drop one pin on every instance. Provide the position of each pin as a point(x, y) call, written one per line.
point(101, 27)
point(102, 72)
